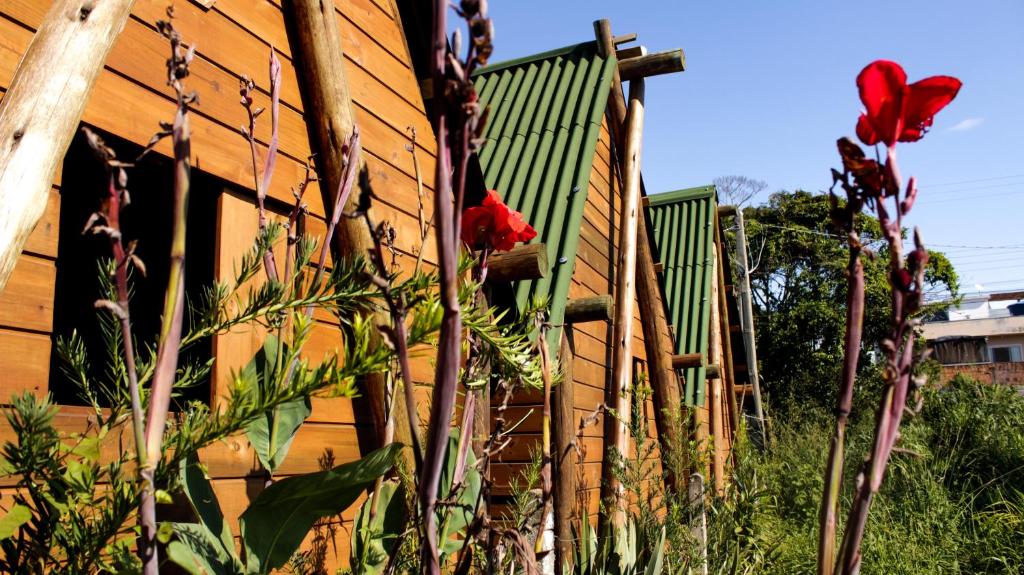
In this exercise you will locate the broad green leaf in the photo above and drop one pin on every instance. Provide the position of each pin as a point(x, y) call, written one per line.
point(15, 518)
point(204, 502)
point(275, 523)
point(654, 564)
point(271, 435)
point(453, 519)
point(88, 448)
point(198, 551)
point(373, 540)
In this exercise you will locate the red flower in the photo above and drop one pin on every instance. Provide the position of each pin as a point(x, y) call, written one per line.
point(896, 111)
point(495, 225)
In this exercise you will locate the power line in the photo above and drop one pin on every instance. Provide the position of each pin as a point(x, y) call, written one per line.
point(838, 237)
point(928, 189)
point(976, 180)
point(974, 197)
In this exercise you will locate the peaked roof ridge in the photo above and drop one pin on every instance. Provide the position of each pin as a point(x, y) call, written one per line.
point(683, 195)
point(580, 48)
point(683, 228)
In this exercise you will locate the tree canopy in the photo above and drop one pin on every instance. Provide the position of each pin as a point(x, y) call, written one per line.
point(798, 283)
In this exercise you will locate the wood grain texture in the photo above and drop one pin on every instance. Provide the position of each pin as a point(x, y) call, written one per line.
point(24, 362)
point(42, 107)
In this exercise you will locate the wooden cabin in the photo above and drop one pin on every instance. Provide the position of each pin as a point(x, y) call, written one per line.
point(551, 153)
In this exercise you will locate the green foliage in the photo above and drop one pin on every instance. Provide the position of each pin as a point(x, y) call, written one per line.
point(274, 525)
point(951, 501)
point(271, 434)
point(377, 529)
point(72, 526)
point(799, 293)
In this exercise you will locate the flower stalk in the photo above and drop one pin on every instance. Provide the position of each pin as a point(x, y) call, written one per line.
point(457, 125)
point(894, 112)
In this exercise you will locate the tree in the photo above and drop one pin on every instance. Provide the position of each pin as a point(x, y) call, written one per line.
point(738, 190)
point(798, 286)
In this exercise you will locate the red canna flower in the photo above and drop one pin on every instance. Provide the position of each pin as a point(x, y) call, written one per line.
point(494, 225)
point(896, 111)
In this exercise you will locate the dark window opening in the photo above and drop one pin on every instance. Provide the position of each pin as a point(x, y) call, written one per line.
point(147, 220)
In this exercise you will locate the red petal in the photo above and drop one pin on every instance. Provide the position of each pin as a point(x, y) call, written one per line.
point(866, 132)
point(477, 223)
point(925, 99)
point(882, 86)
point(492, 198)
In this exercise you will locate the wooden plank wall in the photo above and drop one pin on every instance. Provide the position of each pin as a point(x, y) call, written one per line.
point(595, 275)
point(234, 38)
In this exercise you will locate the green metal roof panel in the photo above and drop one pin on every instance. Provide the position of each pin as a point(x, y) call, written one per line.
point(684, 237)
point(541, 136)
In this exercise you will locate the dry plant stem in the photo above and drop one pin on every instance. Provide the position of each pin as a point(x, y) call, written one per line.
point(262, 184)
point(397, 311)
point(545, 469)
point(297, 212)
point(341, 198)
point(170, 339)
point(854, 330)
point(447, 371)
point(113, 221)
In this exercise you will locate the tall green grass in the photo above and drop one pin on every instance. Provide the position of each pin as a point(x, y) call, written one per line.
point(952, 501)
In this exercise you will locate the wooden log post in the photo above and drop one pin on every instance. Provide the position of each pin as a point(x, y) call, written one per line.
point(594, 308)
point(523, 262)
point(315, 38)
point(41, 110)
point(747, 323)
point(620, 390)
point(667, 62)
point(687, 360)
point(658, 335)
point(718, 442)
point(723, 316)
point(565, 459)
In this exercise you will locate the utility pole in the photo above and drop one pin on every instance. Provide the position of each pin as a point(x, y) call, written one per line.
point(747, 319)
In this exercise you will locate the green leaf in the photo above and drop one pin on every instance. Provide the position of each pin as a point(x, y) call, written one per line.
point(197, 550)
point(271, 435)
point(278, 520)
point(204, 502)
point(373, 540)
point(164, 497)
point(655, 563)
point(15, 518)
point(453, 519)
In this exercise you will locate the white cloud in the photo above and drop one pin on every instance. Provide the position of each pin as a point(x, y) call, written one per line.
point(967, 124)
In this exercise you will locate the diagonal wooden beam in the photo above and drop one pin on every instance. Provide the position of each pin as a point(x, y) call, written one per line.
point(658, 337)
point(315, 37)
point(41, 110)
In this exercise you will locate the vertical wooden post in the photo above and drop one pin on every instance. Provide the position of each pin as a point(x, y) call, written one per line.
point(723, 316)
point(565, 459)
point(715, 385)
point(668, 415)
point(316, 43)
point(625, 298)
point(747, 321)
point(40, 112)
point(698, 520)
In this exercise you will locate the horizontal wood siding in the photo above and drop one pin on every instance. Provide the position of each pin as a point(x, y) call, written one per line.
point(233, 38)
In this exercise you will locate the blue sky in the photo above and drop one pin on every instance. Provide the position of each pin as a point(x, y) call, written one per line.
point(769, 86)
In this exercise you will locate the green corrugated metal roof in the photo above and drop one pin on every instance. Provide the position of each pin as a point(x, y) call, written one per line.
point(542, 132)
point(684, 236)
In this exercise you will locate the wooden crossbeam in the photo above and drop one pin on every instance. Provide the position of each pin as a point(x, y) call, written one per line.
point(584, 309)
point(667, 62)
point(523, 262)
